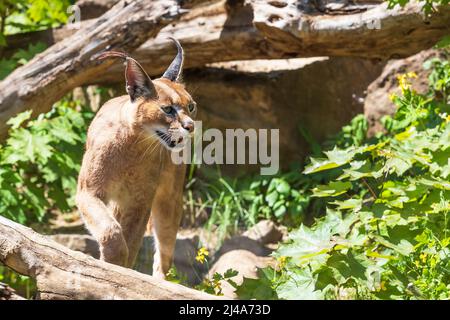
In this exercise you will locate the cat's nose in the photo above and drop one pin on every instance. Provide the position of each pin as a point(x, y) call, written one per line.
point(188, 125)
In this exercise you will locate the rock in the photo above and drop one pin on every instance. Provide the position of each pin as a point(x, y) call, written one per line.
point(184, 258)
point(319, 95)
point(207, 237)
point(66, 223)
point(242, 243)
point(377, 103)
point(264, 232)
point(78, 242)
point(244, 262)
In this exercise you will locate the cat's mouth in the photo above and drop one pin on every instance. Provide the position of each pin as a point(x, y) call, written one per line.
point(167, 141)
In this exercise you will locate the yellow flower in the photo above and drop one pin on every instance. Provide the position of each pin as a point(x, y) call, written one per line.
point(403, 82)
point(392, 97)
point(423, 257)
point(281, 262)
point(217, 285)
point(202, 253)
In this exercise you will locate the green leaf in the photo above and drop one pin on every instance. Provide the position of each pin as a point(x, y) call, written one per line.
point(6, 67)
point(271, 198)
point(348, 265)
point(283, 187)
point(443, 43)
point(307, 245)
point(332, 189)
point(335, 158)
point(259, 289)
point(281, 211)
point(34, 147)
point(300, 285)
point(17, 121)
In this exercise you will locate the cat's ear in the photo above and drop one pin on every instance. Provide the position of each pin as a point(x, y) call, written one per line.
point(173, 72)
point(138, 83)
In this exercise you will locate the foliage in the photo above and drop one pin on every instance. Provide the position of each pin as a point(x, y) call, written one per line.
point(19, 58)
point(234, 204)
point(32, 15)
point(211, 285)
point(285, 198)
point(214, 285)
point(40, 162)
point(18, 16)
point(386, 233)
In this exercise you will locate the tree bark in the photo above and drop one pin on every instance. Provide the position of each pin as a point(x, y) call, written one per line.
point(61, 273)
point(225, 31)
point(364, 30)
point(261, 29)
point(70, 62)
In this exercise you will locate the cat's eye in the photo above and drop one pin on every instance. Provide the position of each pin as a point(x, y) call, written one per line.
point(191, 107)
point(168, 109)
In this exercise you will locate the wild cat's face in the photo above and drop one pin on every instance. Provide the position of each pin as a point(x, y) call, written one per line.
point(169, 118)
point(162, 108)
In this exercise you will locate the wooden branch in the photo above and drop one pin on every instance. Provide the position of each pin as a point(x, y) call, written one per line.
point(246, 31)
point(61, 273)
point(70, 62)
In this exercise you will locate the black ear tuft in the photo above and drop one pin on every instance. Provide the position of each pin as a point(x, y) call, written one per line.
point(174, 71)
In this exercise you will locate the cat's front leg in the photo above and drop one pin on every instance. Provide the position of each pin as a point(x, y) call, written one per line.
point(105, 229)
point(167, 209)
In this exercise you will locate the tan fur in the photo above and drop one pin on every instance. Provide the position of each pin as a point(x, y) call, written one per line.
point(127, 174)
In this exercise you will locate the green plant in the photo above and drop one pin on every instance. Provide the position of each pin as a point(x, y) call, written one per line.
point(19, 58)
point(18, 16)
point(31, 15)
point(239, 203)
point(214, 285)
point(386, 232)
point(428, 5)
point(40, 162)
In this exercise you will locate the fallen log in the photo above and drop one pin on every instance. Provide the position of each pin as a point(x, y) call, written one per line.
point(61, 273)
point(261, 29)
point(70, 62)
point(364, 30)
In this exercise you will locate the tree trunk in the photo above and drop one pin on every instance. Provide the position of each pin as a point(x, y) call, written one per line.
point(61, 273)
point(364, 30)
point(71, 62)
point(260, 29)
